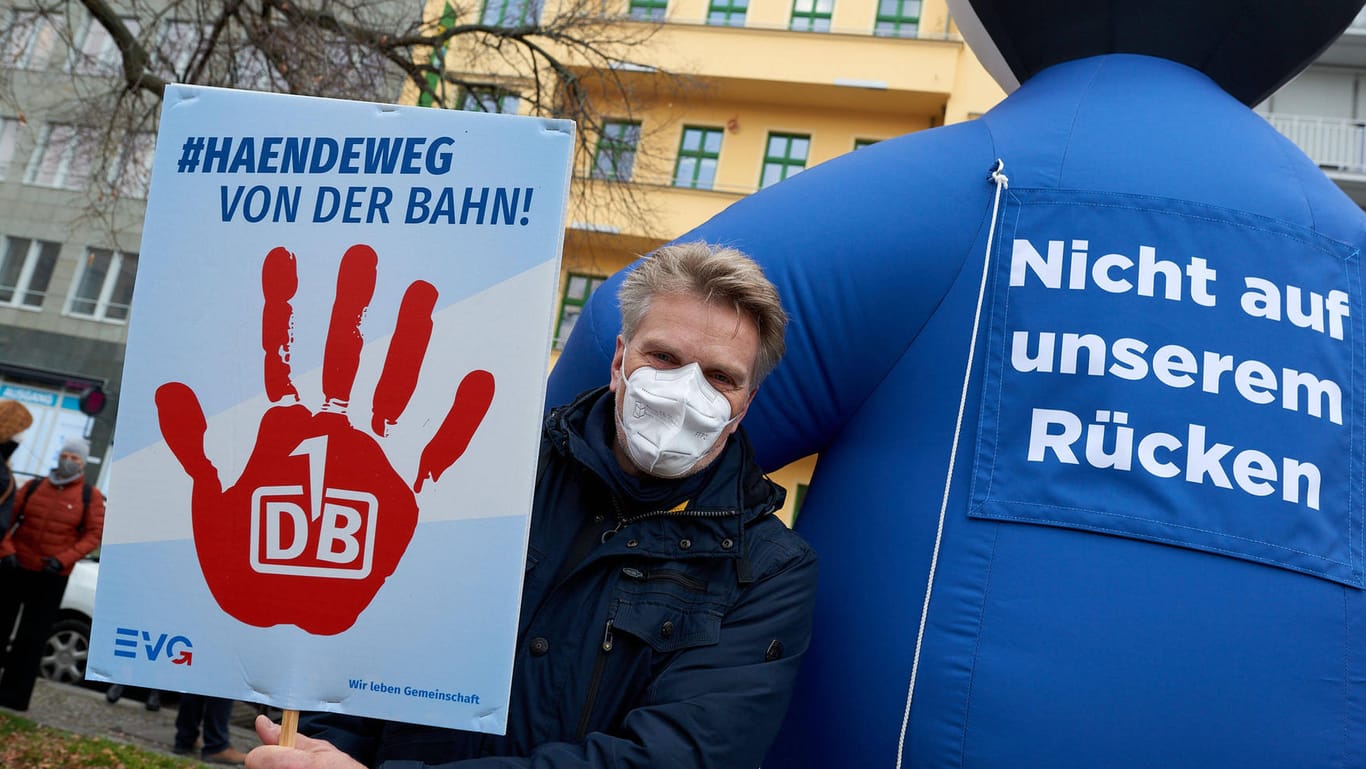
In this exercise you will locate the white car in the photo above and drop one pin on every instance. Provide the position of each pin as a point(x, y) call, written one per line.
point(68, 645)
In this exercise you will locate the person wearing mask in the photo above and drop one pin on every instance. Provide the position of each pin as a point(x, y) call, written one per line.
point(666, 609)
point(58, 521)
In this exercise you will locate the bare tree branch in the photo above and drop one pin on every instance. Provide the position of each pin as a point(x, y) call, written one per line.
point(134, 55)
point(574, 63)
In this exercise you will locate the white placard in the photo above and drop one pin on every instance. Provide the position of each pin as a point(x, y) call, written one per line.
point(311, 508)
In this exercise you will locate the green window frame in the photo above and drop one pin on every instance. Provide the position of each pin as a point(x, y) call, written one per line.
point(812, 15)
point(785, 155)
point(727, 13)
point(511, 13)
point(897, 18)
point(648, 10)
point(698, 153)
point(616, 154)
point(578, 286)
point(861, 143)
point(798, 499)
point(437, 59)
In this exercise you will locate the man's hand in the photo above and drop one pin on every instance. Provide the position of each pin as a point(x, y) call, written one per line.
point(9, 562)
point(52, 565)
point(307, 752)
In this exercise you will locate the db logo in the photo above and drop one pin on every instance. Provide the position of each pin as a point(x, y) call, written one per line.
point(329, 534)
point(129, 641)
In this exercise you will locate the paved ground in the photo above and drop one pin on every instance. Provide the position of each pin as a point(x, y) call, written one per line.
point(85, 711)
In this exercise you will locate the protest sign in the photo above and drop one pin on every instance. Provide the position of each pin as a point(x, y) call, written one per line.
point(329, 418)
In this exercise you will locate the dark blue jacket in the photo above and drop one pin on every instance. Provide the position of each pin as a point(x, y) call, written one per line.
point(675, 642)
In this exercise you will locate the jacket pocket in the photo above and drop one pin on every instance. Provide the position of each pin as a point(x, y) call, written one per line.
point(668, 607)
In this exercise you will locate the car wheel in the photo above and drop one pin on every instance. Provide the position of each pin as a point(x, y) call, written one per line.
point(67, 648)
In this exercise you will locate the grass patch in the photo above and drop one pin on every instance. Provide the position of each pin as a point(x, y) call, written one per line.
point(26, 745)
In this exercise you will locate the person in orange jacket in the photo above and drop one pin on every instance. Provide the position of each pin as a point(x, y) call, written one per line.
point(57, 523)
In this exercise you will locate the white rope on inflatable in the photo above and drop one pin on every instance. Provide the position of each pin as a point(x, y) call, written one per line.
point(998, 178)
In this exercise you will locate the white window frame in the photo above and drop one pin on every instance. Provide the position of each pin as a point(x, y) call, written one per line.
point(29, 40)
point(131, 172)
point(22, 287)
point(72, 163)
point(9, 141)
point(97, 53)
point(104, 302)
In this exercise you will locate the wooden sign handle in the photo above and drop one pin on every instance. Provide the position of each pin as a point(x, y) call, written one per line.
point(289, 726)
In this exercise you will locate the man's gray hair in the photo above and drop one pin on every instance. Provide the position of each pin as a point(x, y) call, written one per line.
point(715, 274)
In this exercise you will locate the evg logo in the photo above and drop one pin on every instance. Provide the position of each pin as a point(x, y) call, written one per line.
point(126, 644)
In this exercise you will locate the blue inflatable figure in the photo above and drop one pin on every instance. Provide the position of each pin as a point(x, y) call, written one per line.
point(1085, 376)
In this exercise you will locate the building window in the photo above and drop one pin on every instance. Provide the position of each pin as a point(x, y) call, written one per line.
point(785, 156)
point(489, 99)
point(98, 54)
point(812, 15)
point(104, 285)
point(727, 13)
point(511, 13)
point(697, 156)
point(131, 171)
point(797, 501)
point(25, 270)
point(577, 288)
point(649, 10)
point(616, 153)
point(30, 40)
point(861, 143)
point(897, 18)
point(59, 160)
point(9, 138)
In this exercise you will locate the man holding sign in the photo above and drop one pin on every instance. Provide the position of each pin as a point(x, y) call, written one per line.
point(665, 609)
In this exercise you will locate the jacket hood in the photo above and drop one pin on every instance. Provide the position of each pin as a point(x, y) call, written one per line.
point(1249, 47)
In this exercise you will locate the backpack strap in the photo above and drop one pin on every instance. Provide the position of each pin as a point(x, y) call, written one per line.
point(28, 491)
point(20, 502)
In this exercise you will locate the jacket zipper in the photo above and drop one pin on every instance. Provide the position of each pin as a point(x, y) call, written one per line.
point(675, 577)
point(598, 665)
point(625, 521)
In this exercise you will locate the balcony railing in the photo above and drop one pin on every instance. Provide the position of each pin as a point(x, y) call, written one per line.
point(1335, 144)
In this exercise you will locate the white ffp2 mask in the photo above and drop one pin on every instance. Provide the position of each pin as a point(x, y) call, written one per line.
point(671, 418)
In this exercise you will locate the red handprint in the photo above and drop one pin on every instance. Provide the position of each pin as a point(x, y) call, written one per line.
point(318, 519)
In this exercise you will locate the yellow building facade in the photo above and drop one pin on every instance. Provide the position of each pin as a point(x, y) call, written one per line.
point(755, 91)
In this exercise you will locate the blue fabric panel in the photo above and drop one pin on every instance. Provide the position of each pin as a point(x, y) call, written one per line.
point(1098, 651)
point(1175, 372)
